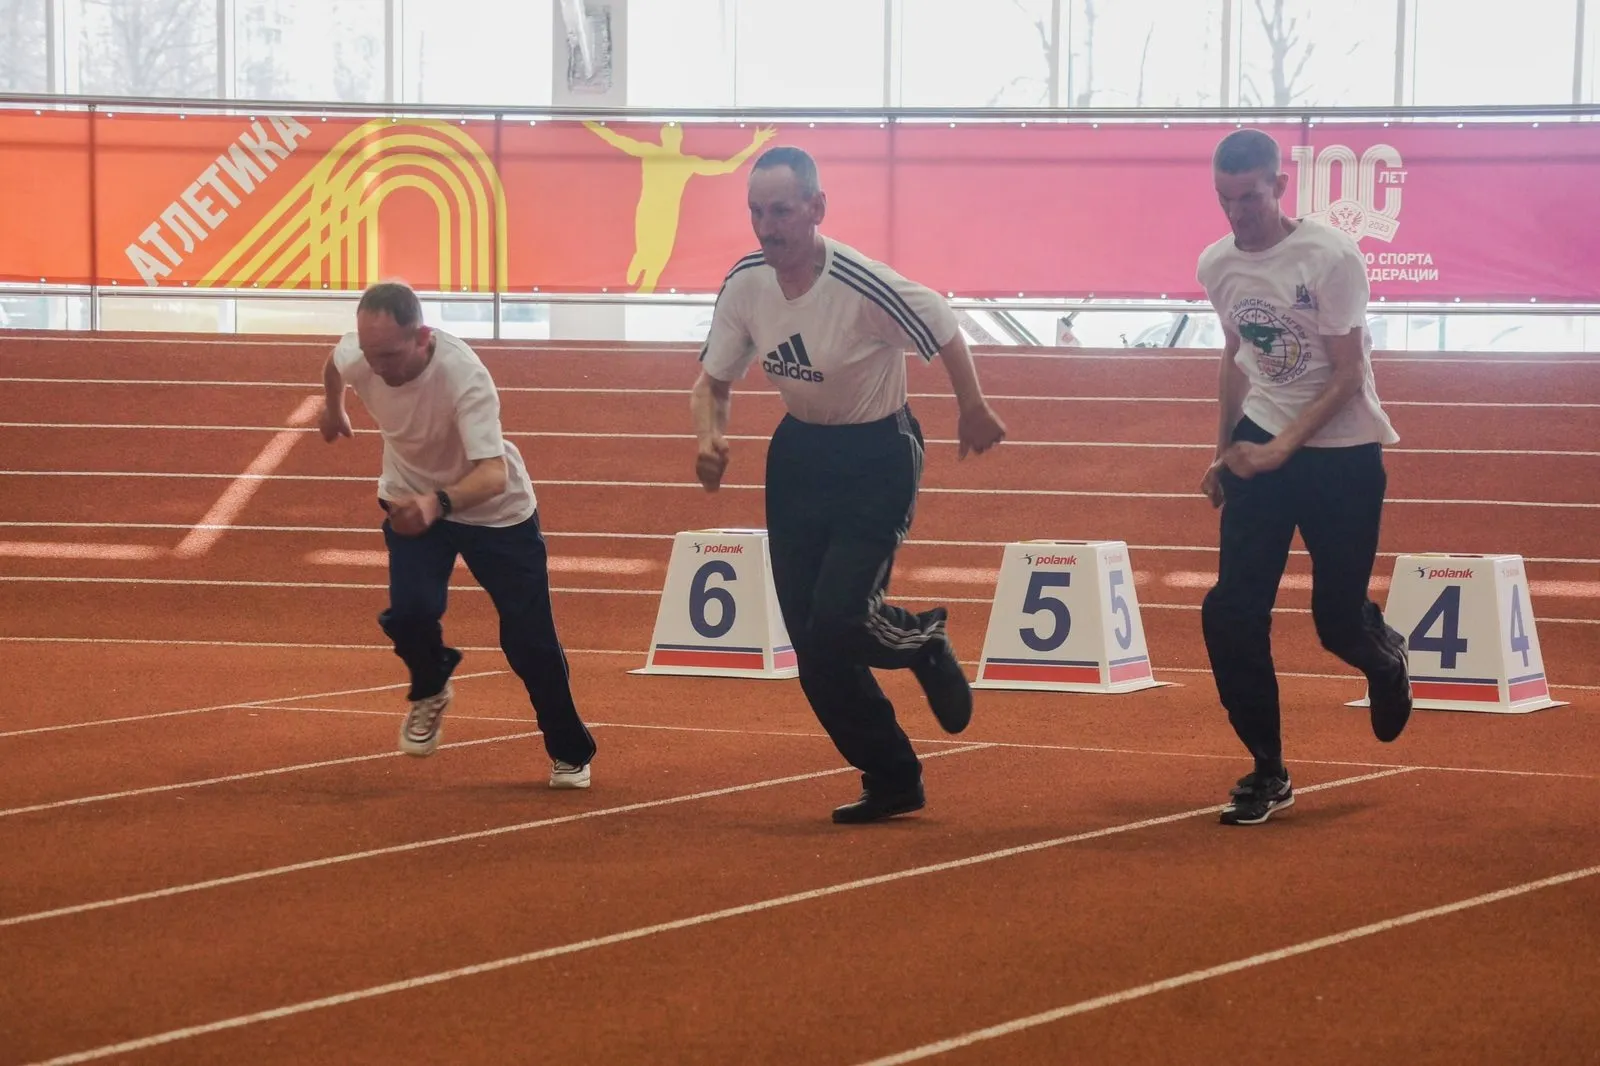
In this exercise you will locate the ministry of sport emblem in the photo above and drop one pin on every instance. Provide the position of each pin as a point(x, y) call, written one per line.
point(1363, 181)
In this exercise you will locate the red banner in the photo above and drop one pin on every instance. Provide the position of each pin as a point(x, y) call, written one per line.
point(1477, 211)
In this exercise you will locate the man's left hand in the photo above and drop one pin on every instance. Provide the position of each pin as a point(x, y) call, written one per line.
point(1247, 458)
point(979, 429)
point(413, 515)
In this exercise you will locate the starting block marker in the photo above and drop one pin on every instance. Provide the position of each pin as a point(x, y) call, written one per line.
point(1470, 636)
point(718, 615)
point(1065, 618)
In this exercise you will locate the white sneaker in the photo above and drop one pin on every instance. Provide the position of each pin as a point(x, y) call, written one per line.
point(419, 733)
point(566, 775)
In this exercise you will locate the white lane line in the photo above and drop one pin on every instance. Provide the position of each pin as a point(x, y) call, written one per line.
point(43, 579)
point(434, 842)
point(228, 706)
point(373, 531)
point(1127, 995)
point(223, 583)
point(760, 438)
point(696, 486)
point(397, 715)
point(29, 549)
point(1322, 677)
point(285, 644)
point(679, 393)
point(237, 495)
point(624, 652)
point(641, 932)
point(1219, 757)
point(253, 774)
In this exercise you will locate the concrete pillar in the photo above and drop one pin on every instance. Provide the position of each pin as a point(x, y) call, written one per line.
point(605, 84)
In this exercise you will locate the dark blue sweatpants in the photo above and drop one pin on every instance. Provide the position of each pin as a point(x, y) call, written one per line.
point(512, 565)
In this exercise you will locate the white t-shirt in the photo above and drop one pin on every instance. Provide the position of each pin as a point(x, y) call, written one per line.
point(1282, 302)
point(836, 353)
point(436, 424)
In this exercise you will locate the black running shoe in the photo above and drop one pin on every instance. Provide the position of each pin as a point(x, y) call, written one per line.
point(876, 806)
point(1255, 797)
point(939, 673)
point(1389, 693)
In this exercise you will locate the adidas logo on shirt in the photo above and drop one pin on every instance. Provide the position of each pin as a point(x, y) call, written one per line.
point(789, 360)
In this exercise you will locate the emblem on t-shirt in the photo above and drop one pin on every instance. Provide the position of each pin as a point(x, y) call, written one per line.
point(789, 360)
point(1280, 349)
point(1303, 300)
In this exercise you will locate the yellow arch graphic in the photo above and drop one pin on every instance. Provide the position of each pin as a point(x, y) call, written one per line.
point(324, 231)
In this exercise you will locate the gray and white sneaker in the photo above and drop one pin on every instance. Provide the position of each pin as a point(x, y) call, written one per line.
point(566, 775)
point(419, 733)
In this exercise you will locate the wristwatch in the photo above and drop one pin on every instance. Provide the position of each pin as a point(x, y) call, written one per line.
point(444, 502)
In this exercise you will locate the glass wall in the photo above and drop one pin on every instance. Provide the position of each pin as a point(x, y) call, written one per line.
point(309, 50)
point(24, 46)
point(1521, 54)
point(1150, 54)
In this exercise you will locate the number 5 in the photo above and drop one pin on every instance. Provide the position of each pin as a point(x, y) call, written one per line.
point(1037, 601)
point(1120, 606)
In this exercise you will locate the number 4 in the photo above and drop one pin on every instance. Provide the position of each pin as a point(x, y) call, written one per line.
point(1446, 610)
point(1519, 631)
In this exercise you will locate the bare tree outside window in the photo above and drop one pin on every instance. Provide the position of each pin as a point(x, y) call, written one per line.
point(1285, 39)
point(1310, 52)
point(22, 47)
point(1123, 56)
point(149, 47)
point(1030, 89)
point(308, 50)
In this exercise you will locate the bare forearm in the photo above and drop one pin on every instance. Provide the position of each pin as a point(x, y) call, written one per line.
point(957, 358)
point(709, 402)
point(1344, 384)
point(332, 385)
point(484, 482)
point(1231, 389)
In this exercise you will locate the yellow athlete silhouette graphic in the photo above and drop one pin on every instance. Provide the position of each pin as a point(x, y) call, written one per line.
point(666, 173)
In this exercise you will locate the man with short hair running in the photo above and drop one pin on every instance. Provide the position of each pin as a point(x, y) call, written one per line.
point(1299, 446)
point(830, 328)
point(452, 484)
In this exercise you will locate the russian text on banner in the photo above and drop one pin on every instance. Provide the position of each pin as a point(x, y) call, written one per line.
point(718, 615)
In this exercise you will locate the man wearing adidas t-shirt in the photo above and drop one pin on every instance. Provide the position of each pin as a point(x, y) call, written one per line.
point(1300, 445)
point(830, 329)
point(452, 484)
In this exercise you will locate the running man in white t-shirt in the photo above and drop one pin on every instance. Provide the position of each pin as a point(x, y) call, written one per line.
point(1299, 445)
point(452, 484)
point(830, 328)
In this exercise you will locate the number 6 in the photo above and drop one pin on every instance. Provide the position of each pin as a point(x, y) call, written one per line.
point(699, 596)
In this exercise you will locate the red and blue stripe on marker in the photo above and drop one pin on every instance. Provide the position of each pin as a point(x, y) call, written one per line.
point(719, 658)
point(1478, 689)
point(1065, 672)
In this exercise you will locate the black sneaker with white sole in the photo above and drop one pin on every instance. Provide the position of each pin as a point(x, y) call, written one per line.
point(943, 681)
point(1255, 797)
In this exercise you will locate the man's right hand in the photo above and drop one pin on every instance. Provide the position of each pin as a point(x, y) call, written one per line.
point(334, 423)
point(711, 462)
point(1211, 484)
